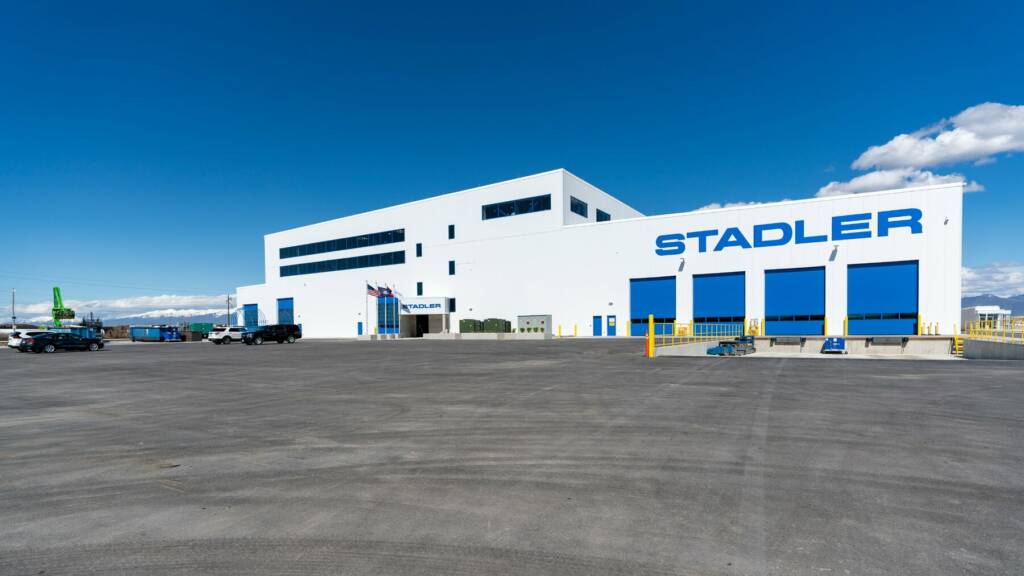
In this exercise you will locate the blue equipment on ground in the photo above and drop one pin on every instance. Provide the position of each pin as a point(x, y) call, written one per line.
point(154, 334)
point(83, 331)
point(738, 347)
point(834, 345)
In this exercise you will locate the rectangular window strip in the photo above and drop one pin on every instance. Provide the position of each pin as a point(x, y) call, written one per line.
point(339, 264)
point(516, 207)
point(794, 318)
point(884, 316)
point(361, 241)
point(578, 206)
point(603, 216)
point(717, 319)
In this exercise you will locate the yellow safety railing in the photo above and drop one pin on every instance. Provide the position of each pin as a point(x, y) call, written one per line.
point(672, 333)
point(1010, 330)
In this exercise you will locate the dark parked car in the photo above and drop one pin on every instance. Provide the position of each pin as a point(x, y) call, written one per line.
point(51, 342)
point(275, 332)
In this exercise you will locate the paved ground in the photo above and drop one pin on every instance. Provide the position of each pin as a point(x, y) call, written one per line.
point(480, 458)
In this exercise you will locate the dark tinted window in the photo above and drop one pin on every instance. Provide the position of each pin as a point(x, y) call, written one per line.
point(516, 207)
point(419, 288)
point(602, 216)
point(362, 241)
point(419, 249)
point(578, 206)
point(451, 231)
point(369, 261)
point(451, 267)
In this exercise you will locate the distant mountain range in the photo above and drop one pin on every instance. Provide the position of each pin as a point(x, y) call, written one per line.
point(174, 320)
point(1013, 303)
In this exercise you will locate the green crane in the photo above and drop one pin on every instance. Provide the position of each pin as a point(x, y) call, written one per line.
point(59, 311)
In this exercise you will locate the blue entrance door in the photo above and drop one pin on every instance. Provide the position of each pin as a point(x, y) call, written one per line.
point(285, 311)
point(597, 325)
point(250, 315)
point(359, 328)
point(611, 325)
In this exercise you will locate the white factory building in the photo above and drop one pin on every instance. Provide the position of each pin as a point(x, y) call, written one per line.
point(552, 244)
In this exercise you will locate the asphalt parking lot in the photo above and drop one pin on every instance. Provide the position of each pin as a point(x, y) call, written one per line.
point(505, 458)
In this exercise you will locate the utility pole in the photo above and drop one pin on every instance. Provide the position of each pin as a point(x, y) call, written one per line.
point(228, 299)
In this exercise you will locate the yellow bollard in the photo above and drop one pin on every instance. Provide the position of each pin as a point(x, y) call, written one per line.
point(573, 330)
point(846, 326)
point(559, 330)
point(919, 325)
point(650, 335)
point(825, 327)
point(744, 325)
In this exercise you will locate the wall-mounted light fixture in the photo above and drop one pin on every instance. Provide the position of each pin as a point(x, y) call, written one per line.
point(682, 264)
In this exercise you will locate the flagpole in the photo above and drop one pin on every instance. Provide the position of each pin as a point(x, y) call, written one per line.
point(366, 308)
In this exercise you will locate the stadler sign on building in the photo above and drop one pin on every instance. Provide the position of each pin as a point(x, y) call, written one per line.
point(553, 244)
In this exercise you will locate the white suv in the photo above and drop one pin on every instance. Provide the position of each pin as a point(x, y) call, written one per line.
point(14, 338)
point(225, 335)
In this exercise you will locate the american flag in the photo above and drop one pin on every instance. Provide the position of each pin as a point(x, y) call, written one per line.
point(375, 292)
point(385, 292)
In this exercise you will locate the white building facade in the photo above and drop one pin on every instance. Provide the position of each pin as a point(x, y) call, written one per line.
point(552, 244)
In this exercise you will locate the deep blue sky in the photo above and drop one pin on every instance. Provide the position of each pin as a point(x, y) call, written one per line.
point(149, 147)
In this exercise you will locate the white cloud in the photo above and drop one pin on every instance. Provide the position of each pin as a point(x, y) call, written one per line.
point(717, 205)
point(999, 279)
point(133, 307)
point(891, 180)
point(975, 135)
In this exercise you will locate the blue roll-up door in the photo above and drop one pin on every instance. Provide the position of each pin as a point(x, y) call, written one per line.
point(655, 296)
point(285, 311)
point(794, 302)
point(882, 298)
point(250, 315)
point(719, 299)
